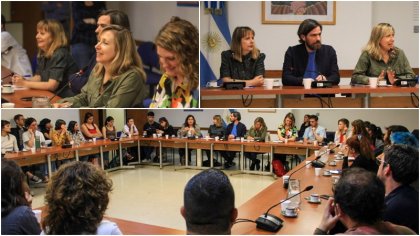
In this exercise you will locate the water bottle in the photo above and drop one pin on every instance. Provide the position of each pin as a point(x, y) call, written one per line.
point(37, 142)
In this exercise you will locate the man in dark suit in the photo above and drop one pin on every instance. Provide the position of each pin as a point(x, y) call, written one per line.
point(235, 129)
point(19, 129)
point(310, 59)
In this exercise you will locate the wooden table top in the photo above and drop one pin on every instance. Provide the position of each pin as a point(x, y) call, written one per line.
point(296, 90)
point(20, 93)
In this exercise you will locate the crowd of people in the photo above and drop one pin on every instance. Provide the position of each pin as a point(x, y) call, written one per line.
point(100, 66)
point(311, 59)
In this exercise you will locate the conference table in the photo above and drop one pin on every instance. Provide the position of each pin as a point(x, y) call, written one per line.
point(294, 96)
point(22, 97)
point(309, 214)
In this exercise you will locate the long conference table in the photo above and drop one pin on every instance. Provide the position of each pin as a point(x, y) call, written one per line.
point(294, 96)
point(305, 223)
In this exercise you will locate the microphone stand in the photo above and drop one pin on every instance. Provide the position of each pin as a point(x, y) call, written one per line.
point(271, 222)
point(78, 74)
point(286, 183)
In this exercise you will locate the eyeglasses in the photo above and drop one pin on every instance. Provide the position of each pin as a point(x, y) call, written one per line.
point(379, 161)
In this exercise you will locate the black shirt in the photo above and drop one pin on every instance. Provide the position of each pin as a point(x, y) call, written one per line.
point(151, 128)
point(402, 207)
point(18, 132)
point(245, 70)
point(20, 220)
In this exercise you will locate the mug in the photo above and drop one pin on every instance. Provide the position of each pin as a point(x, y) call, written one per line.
point(8, 105)
point(314, 197)
point(291, 210)
point(7, 89)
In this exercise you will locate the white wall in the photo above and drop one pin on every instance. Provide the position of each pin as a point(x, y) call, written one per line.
point(119, 117)
point(354, 21)
point(39, 114)
point(146, 18)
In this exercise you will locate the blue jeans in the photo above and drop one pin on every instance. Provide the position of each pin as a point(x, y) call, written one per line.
point(82, 53)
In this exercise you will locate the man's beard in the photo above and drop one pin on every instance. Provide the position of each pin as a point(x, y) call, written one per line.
point(314, 46)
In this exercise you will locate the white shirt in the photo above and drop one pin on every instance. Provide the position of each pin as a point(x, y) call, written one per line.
point(16, 58)
point(26, 136)
point(9, 143)
point(127, 129)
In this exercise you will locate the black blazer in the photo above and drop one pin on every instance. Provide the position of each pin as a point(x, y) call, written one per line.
point(245, 70)
point(240, 130)
point(296, 60)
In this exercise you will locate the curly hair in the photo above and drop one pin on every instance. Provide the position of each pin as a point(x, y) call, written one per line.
point(181, 37)
point(12, 187)
point(76, 197)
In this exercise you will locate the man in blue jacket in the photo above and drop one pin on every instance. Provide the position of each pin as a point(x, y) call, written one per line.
point(234, 130)
point(311, 58)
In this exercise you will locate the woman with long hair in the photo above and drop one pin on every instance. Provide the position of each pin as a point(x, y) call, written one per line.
point(343, 131)
point(118, 79)
point(257, 132)
point(59, 135)
point(109, 131)
point(359, 148)
point(78, 185)
point(90, 130)
point(74, 130)
point(45, 128)
point(381, 58)
point(54, 62)
point(216, 130)
point(8, 141)
point(190, 129)
point(177, 48)
point(243, 62)
point(16, 213)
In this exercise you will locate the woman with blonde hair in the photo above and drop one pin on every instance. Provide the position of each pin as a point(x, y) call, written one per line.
point(216, 130)
point(381, 58)
point(257, 132)
point(177, 48)
point(54, 62)
point(118, 79)
point(243, 62)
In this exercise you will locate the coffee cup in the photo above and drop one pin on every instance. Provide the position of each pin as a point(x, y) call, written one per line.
point(38, 214)
point(154, 135)
point(166, 136)
point(307, 164)
point(286, 140)
point(335, 179)
point(314, 197)
point(207, 137)
point(318, 171)
point(7, 88)
point(316, 153)
point(284, 206)
point(315, 143)
point(33, 149)
point(216, 138)
point(159, 135)
point(307, 82)
point(269, 83)
point(291, 210)
point(373, 82)
point(242, 139)
point(212, 84)
point(94, 140)
point(8, 105)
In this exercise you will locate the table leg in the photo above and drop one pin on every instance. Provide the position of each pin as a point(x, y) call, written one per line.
point(160, 154)
point(101, 151)
point(279, 101)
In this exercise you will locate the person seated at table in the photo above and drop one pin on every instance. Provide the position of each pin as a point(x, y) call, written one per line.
point(59, 135)
point(45, 128)
point(391, 129)
point(54, 62)
point(359, 148)
point(305, 124)
point(358, 203)
point(118, 79)
point(398, 168)
point(311, 58)
point(190, 129)
point(177, 47)
point(75, 133)
point(243, 62)
point(17, 217)
point(343, 132)
point(108, 130)
point(215, 130)
point(78, 185)
point(90, 130)
point(8, 141)
point(28, 138)
point(358, 127)
point(150, 127)
point(258, 133)
point(286, 131)
point(235, 129)
point(164, 129)
point(130, 128)
point(107, 17)
point(381, 58)
point(314, 132)
point(209, 204)
point(406, 138)
point(376, 138)
point(13, 55)
point(18, 131)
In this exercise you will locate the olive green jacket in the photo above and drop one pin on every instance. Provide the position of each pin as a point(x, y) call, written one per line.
point(125, 90)
point(368, 67)
point(261, 133)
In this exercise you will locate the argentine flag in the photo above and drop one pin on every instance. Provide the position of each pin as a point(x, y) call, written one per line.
point(215, 38)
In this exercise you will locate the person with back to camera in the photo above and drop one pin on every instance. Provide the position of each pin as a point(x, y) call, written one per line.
point(177, 47)
point(118, 79)
point(380, 58)
point(209, 204)
point(75, 186)
point(358, 203)
point(358, 146)
point(398, 168)
point(54, 62)
point(243, 62)
point(311, 58)
point(16, 213)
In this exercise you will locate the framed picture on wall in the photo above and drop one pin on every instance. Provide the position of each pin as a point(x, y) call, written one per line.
point(294, 12)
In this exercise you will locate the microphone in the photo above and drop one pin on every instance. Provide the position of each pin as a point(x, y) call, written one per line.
point(286, 183)
point(78, 74)
point(271, 222)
